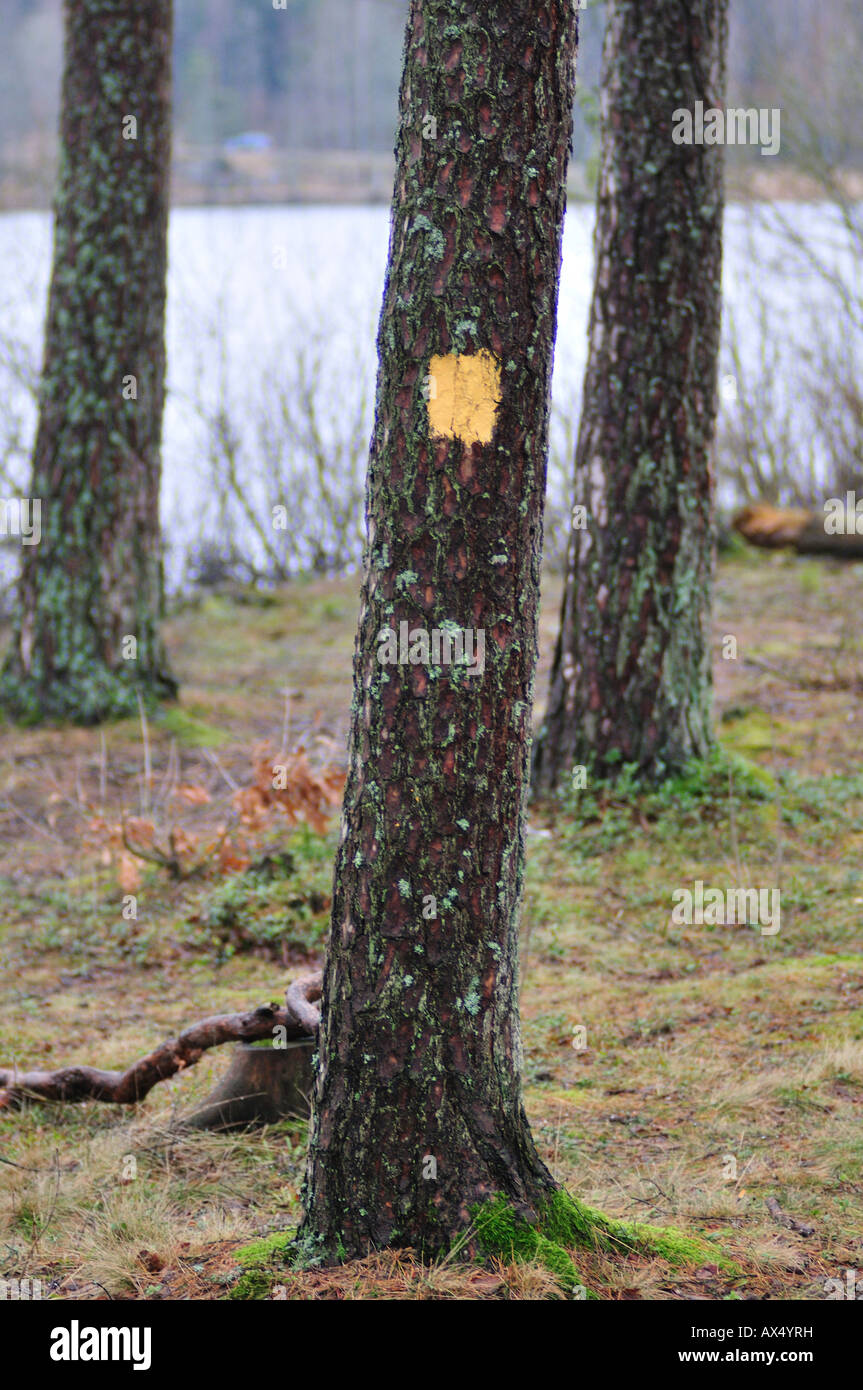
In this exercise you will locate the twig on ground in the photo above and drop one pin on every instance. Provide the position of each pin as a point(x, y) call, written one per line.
point(782, 1219)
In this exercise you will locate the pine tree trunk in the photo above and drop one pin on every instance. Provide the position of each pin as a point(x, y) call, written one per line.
point(418, 1105)
point(94, 581)
point(631, 680)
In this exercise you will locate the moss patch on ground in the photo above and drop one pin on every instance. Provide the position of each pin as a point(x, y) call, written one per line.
point(261, 1261)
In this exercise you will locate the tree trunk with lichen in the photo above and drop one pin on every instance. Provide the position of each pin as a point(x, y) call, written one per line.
point(418, 1109)
point(86, 634)
point(631, 680)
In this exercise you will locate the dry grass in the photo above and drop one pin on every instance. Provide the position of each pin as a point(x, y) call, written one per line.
point(722, 1068)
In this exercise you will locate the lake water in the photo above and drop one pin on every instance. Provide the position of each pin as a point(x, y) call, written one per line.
point(248, 285)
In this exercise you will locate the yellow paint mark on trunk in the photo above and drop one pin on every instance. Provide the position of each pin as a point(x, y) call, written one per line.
point(464, 394)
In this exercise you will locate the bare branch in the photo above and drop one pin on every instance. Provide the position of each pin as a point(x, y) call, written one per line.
point(299, 1001)
point(299, 1019)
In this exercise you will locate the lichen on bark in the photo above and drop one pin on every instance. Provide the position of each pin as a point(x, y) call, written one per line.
point(94, 580)
point(631, 679)
point(418, 1105)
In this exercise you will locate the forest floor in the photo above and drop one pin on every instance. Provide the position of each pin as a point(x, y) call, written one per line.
point(722, 1069)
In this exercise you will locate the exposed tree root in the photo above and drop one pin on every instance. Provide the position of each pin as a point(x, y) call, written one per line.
point(565, 1224)
point(298, 1017)
point(502, 1232)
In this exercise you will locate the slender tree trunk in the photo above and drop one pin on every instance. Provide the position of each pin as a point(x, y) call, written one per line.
point(418, 1111)
point(631, 680)
point(86, 633)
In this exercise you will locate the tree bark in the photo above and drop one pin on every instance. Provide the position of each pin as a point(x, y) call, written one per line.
point(631, 678)
point(418, 1108)
point(95, 578)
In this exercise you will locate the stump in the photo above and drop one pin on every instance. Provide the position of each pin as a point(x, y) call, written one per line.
point(262, 1085)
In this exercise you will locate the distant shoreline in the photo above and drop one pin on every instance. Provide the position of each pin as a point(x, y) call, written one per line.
point(348, 178)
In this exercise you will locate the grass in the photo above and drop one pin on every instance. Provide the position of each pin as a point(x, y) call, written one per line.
point(713, 1067)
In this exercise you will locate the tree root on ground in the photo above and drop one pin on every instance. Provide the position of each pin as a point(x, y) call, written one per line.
point(565, 1224)
point(299, 1018)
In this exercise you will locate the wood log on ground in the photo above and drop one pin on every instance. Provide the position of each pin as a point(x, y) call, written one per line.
point(777, 528)
point(298, 1018)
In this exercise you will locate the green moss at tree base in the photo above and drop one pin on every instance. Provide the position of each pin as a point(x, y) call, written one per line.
point(100, 695)
point(501, 1232)
point(565, 1224)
